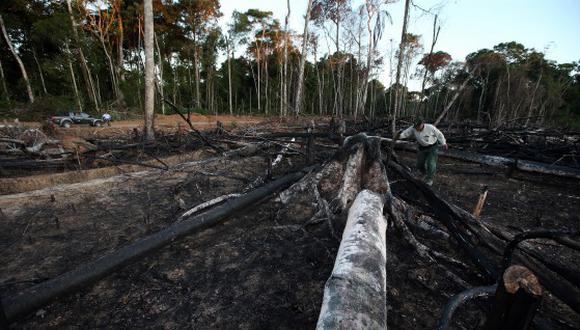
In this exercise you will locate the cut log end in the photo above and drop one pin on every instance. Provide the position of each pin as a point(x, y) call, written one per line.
point(519, 277)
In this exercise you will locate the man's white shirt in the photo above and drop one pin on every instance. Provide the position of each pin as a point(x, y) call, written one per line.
point(428, 136)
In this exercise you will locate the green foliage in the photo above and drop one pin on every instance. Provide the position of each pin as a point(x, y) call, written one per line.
point(506, 82)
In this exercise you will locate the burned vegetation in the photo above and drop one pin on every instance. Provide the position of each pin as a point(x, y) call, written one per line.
point(288, 225)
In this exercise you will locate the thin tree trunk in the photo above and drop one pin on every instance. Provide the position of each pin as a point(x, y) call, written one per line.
point(120, 58)
point(531, 108)
point(371, 12)
point(20, 64)
point(285, 104)
point(139, 61)
point(39, 71)
point(267, 80)
point(281, 86)
point(160, 81)
point(436, 30)
point(149, 73)
point(197, 76)
point(399, 66)
point(302, 61)
point(86, 70)
point(228, 50)
point(112, 69)
point(448, 106)
point(73, 78)
point(5, 89)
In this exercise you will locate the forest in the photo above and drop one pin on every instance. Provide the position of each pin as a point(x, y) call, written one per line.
point(88, 55)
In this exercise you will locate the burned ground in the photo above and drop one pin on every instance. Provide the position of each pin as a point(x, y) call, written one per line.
point(266, 266)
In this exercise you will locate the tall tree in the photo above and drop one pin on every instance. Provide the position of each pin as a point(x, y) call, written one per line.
point(298, 98)
point(149, 35)
point(285, 106)
point(399, 68)
point(200, 16)
point(88, 77)
point(17, 58)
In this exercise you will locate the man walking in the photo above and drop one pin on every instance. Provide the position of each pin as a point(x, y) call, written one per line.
point(107, 118)
point(428, 138)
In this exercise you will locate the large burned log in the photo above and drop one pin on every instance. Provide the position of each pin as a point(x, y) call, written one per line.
point(41, 294)
point(462, 225)
point(355, 293)
point(499, 161)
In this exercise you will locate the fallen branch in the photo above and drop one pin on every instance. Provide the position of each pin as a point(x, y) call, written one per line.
point(498, 161)
point(207, 204)
point(460, 299)
point(196, 131)
point(74, 280)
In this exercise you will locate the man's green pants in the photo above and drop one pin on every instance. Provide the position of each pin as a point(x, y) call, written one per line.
point(427, 161)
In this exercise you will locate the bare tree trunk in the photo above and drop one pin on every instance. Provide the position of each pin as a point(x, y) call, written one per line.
point(196, 72)
point(302, 61)
point(4, 83)
point(281, 87)
point(149, 74)
point(285, 76)
point(112, 69)
point(319, 84)
point(73, 78)
point(399, 66)
point(86, 71)
point(160, 81)
point(436, 30)
point(267, 80)
point(39, 71)
point(139, 61)
point(20, 64)
point(228, 50)
point(531, 108)
point(448, 106)
point(371, 10)
point(120, 58)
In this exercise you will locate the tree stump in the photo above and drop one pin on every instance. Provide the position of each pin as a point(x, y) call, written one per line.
point(516, 300)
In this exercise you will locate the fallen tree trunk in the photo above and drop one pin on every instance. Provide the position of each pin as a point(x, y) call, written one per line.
point(43, 293)
point(498, 161)
point(449, 216)
point(355, 293)
point(453, 217)
point(352, 178)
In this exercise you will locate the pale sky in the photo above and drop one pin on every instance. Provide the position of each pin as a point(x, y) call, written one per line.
point(552, 26)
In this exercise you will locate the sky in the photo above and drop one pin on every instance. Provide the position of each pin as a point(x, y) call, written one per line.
point(551, 26)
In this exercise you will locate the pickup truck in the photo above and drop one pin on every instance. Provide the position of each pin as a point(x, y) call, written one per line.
point(67, 119)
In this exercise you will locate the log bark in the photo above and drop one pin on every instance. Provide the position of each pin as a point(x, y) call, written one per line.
point(41, 294)
point(355, 293)
point(352, 178)
point(149, 72)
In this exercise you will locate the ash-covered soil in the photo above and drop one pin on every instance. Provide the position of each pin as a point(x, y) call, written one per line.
point(264, 268)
